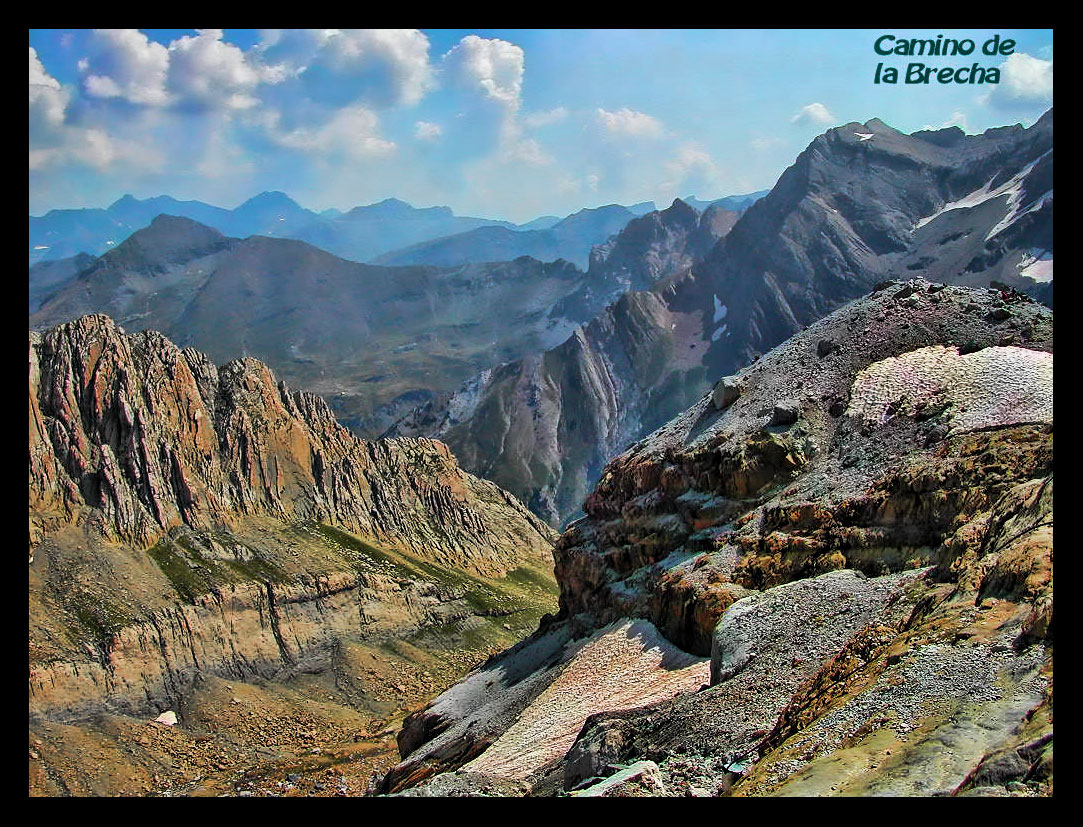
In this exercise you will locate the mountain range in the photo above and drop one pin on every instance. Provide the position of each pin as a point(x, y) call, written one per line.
point(361, 234)
point(363, 336)
point(524, 396)
point(850, 212)
point(800, 446)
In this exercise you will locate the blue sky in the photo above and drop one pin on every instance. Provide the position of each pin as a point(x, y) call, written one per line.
point(498, 123)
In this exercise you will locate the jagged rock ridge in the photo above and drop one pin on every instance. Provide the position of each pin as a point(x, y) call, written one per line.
point(137, 436)
point(543, 426)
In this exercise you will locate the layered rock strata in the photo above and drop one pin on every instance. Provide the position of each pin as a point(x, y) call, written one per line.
point(189, 518)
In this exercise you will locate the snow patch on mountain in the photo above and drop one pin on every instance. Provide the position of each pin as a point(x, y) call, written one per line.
point(719, 310)
point(1013, 188)
point(1038, 265)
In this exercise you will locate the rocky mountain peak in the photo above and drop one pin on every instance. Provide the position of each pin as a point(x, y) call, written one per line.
point(270, 199)
point(168, 240)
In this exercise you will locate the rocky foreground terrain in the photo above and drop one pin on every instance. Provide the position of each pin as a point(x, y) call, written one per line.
point(227, 588)
point(832, 575)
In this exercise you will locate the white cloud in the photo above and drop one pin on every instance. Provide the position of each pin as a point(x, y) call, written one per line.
point(493, 67)
point(1024, 81)
point(814, 113)
point(206, 71)
point(48, 101)
point(958, 118)
point(536, 119)
point(626, 122)
point(352, 131)
point(425, 131)
point(55, 141)
point(38, 75)
point(125, 64)
point(386, 67)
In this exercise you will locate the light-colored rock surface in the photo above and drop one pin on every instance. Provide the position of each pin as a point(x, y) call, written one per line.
point(638, 779)
point(524, 709)
point(993, 387)
point(622, 666)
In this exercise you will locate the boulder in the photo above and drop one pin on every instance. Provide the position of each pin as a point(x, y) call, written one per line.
point(725, 393)
point(785, 412)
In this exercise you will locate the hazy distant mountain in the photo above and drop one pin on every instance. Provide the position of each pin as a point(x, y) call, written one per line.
point(364, 233)
point(46, 277)
point(736, 203)
point(359, 235)
point(62, 233)
point(542, 222)
point(570, 239)
point(642, 208)
point(363, 336)
point(862, 204)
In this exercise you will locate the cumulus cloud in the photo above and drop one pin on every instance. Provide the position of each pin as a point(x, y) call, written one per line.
point(814, 113)
point(351, 131)
point(376, 67)
point(205, 71)
point(125, 64)
point(47, 100)
point(1025, 81)
point(425, 131)
point(493, 67)
point(54, 140)
point(628, 123)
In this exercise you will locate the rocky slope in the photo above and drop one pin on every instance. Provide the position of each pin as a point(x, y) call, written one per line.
point(853, 535)
point(189, 520)
point(543, 426)
point(850, 212)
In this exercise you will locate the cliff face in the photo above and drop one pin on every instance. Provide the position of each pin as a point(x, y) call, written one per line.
point(189, 518)
point(136, 436)
point(854, 533)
